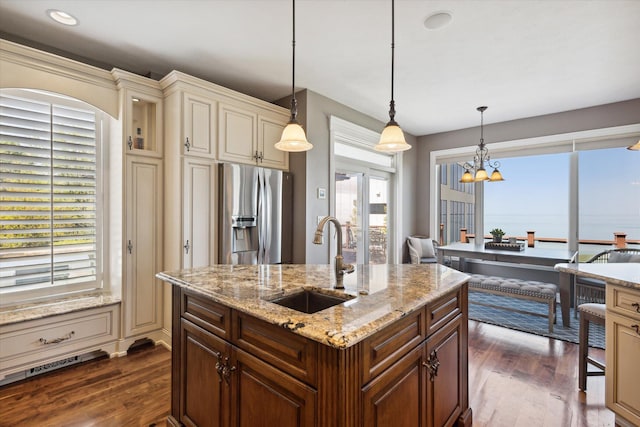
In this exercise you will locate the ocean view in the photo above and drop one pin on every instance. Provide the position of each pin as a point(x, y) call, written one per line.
point(595, 227)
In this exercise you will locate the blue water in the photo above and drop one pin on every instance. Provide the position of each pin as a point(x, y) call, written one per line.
point(590, 227)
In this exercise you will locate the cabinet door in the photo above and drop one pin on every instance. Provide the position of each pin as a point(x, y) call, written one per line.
point(622, 378)
point(444, 369)
point(204, 395)
point(199, 218)
point(142, 123)
point(199, 120)
point(266, 396)
point(269, 132)
point(396, 397)
point(237, 141)
point(143, 245)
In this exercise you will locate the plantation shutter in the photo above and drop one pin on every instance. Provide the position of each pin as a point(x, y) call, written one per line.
point(48, 188)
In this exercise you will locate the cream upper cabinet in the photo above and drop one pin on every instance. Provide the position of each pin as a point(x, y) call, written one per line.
point(269, 132)
point(248, 135)
point(199, 124)
point(238, 134)
point(622, 378)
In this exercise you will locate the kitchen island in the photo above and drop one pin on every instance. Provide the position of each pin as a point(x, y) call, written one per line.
point(392, 350)
point(622, 334)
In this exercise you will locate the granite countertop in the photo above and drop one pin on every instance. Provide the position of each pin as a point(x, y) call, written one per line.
point(70, 304)
point(381, 294)
point(623, 274)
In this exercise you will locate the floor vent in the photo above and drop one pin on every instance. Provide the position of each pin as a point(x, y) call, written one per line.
point(49, 367)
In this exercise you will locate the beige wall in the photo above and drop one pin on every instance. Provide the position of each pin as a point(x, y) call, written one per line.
point(311, 170)
point(597, 117)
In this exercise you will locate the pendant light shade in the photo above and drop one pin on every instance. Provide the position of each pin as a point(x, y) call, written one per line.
point(392, 138)
point(635, 147)
point(293, 138)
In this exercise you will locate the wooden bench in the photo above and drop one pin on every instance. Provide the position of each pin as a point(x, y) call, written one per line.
point(516, 288)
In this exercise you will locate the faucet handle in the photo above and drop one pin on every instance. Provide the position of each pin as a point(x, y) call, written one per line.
point(348, 268)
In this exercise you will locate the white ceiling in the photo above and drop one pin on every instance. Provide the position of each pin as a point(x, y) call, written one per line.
point(521, 58)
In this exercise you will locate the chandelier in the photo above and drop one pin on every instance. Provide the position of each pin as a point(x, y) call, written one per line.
point(480, 159)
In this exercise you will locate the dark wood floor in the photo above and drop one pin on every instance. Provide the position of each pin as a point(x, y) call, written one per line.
point(516, 379)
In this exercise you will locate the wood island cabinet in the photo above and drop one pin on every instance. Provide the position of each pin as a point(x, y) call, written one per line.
point(232, 369)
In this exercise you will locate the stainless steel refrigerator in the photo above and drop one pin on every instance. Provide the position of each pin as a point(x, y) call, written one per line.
point(255, 215)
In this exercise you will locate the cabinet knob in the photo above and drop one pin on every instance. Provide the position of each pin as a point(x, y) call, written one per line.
point(186, 248)
point(130, 247)
point(130, 143)
point(187, 144)
point(432, 365)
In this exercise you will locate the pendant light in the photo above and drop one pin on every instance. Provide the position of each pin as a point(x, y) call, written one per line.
point(293, 138)
point(479, 160)
point(635, 147)
point(392, 138)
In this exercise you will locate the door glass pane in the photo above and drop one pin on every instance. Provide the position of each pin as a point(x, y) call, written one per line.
point(609, 198)
point(378, 220)
point(348, 212)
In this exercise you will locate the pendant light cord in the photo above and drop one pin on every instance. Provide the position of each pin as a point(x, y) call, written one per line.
point(294, 102)
point(392, 104)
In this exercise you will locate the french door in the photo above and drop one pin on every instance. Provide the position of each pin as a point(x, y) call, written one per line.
point(362, 200)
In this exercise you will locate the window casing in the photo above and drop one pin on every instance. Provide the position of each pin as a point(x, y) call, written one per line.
point(51, 198)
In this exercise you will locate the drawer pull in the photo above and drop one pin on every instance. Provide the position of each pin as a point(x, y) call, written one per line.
point(636, 328)
point(432, 365)
point(636, 306)
point(57, 340)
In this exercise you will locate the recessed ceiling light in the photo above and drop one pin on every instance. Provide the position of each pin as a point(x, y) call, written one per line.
point(62, 17)
point(437, 20)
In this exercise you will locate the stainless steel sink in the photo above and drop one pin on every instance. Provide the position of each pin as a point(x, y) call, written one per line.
point(310, 301)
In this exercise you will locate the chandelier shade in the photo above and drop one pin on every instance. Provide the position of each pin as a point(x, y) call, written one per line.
point(392, 138)
point(476, 172)
point(293, 138)
point(635, 147)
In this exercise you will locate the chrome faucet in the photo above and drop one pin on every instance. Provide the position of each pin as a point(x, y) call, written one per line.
point(340, 268)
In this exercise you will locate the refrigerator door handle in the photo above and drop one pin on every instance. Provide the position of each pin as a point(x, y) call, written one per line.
point(268, 206)
point(261, 214)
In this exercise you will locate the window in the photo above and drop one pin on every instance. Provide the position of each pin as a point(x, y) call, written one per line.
point(50, 194)
point(575, 190)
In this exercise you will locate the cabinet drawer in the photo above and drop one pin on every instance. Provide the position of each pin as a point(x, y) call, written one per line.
point(387, 346)
point(205, 313)
point(292, 353)
point(47, 338)
point(624, 301)
point(442, 311)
